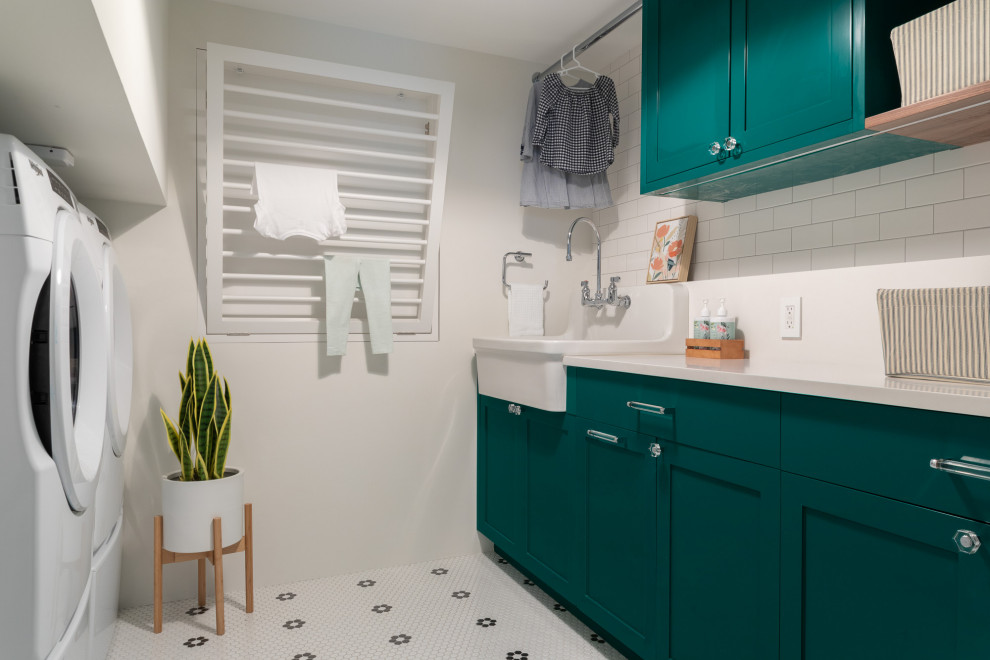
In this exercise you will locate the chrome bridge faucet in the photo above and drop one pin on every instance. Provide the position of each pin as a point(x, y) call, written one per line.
point(600, 299)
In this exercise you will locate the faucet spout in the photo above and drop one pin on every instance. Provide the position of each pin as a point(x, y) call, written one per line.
point(598, 240)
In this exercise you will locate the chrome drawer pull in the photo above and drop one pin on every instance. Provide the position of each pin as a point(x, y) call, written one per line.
point(961, 468)
point(646, 407)
point(598, 435)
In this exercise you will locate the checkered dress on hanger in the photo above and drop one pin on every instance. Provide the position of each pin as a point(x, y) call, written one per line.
point(578, 130)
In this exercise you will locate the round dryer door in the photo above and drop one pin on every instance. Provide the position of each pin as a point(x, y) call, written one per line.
point(117, 315)
point(77, 363)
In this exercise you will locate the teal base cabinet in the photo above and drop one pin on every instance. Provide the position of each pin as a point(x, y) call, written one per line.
point(617, 504)
point(525, 482)
point(866, 577)
point(705, 522)
point(719, 557)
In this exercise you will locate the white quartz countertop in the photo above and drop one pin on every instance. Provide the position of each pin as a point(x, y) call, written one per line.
point(837, 381)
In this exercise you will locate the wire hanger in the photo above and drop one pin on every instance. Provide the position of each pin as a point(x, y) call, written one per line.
point(575, 65)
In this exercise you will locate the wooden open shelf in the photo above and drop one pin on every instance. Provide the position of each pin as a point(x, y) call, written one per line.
point(967, 121)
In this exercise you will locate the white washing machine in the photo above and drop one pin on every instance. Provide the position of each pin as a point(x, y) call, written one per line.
point(105, 590)
point(53, 388)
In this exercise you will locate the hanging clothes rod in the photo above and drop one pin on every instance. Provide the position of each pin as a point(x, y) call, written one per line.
point(593, 39)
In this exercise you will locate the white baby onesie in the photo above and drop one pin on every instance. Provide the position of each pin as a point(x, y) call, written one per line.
point(297, 201)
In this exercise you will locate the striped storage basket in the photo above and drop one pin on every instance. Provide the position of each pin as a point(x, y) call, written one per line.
point(939, 334)
point(943, 51)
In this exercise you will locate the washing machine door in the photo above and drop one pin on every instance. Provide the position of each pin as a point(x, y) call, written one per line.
point(117, 315)
point(77, 363)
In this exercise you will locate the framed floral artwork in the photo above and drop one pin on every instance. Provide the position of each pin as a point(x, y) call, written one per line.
point(670, 258)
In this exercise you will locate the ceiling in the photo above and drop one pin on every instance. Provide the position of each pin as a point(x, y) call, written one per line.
point(531, 30)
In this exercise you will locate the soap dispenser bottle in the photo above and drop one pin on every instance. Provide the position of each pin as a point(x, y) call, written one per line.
point(702, 322)
point(723, 326)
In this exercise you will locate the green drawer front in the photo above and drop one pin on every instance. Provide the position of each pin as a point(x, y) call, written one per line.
point(605, 396)
point(734, 421)
point(887, 450)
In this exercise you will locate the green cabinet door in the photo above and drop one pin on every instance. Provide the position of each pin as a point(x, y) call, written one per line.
point(685, 85)
point(792, 71)
point(551, 543)
point(501, 463)
point(617, 477)
point(866, 577)
point(719, 556)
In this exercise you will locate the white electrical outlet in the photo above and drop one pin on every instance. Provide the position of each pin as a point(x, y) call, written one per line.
point(790, 317)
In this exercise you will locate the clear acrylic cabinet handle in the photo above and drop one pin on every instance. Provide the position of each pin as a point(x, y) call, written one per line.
point(967, 542)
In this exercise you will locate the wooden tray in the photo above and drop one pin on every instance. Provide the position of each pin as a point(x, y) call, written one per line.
point(715, 349)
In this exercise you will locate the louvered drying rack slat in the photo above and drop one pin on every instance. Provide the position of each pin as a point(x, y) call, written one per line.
point(387, 135)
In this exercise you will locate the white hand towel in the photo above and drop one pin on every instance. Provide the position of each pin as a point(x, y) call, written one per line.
point(297, 201)
point(525, 310)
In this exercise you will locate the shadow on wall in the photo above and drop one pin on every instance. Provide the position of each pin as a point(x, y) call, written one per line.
point(330, 365)
point(121, 217)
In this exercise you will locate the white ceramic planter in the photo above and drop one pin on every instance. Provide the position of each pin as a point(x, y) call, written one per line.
point(188, 509)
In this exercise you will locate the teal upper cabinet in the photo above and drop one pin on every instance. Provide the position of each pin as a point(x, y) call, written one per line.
point(766, 73)
point(792, 72)
point(695, 94)
point(730, 86)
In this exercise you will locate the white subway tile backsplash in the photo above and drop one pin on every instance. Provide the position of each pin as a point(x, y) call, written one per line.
point(970, 213)
point(637, 225)
point(755, 221)
point(708, 251)
point(840, 256)
point(608, 248)
point(725, 268)
point(761, 265)
point(698, 271)
point(725, 227)
point(614, 264)
point(711, 210)
point(774, 198)
point(861, 229)
point(880, 252)
point(976, 242)
point(769, 242)
point(811, 236)
point(628, 210)
point(812, 190)
point(888, 197)
point(953, 159)
point(740, 246)
point(977, 180)
point(907, 169)
point(792, 262)
point(942, 187)
point(792, 215)
point(635, 83)
point(636, 243)
point(609, 214)
point(833, 207)
point(856, 180)
point(704, 232)
point(916, 221)
point(935, 246)
point(741, 205)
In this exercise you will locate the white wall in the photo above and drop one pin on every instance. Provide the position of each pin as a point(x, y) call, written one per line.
point(919, 223)
point(359, 463)
point(136, 32)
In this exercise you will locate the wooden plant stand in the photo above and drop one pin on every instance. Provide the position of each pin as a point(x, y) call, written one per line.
point(215, 556)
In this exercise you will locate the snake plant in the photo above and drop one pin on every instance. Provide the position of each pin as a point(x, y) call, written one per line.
point(202, 436)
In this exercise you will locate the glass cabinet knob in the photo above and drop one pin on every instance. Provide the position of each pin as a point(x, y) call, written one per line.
point(730, 143)
point(714, 148)
point(967, 542)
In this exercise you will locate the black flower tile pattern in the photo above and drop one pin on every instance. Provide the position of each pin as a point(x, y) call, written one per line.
point(366, 583)
point(304, 656)
point(595, 637)
point(502, 561)
point(294, 624)
point(381, 609)
point(439, 571)
point(486, 622)
point(399, 640)
point(558, 607)
point(193, 642)
point(529, 582)
point(516, 655)
point(193, 611)
point(461, 594)
point(286, 596)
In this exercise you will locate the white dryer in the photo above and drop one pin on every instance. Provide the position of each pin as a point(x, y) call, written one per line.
point(53, 387)
point(105, 590)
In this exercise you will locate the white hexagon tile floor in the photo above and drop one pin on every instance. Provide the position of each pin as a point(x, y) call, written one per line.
point(462, 608)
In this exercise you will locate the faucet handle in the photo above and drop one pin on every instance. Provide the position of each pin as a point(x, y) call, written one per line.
point(614, 279)
point(584, 284)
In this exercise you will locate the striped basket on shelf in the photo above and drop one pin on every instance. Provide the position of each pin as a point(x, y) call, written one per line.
point(938, 334)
